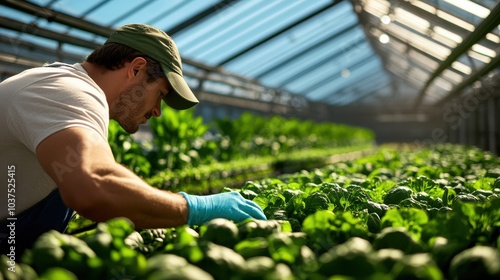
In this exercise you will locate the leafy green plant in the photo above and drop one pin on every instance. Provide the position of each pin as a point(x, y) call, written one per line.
point(175, 133)
point(128, 151)
point(327, 223)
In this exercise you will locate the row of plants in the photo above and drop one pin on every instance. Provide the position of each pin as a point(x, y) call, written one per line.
point(182, 141)
point(186, 154)
point(212, 178)
point(401, 213)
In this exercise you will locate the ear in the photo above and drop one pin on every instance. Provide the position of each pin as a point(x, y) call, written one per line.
point(136, 66)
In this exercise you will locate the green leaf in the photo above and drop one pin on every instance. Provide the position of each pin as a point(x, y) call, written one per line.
point(410, 218)
point(58, 273)
point(283, 249)
point(484, 184)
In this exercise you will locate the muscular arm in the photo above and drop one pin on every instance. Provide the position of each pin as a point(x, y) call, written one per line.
point(93, 184)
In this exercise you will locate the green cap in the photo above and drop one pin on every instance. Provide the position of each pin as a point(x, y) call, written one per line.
point(156, 44)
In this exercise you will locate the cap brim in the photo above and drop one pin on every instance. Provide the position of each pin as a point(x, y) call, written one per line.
point(180, 97)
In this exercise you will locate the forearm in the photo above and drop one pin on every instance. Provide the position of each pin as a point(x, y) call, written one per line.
point(117, 192)
point(97, 187)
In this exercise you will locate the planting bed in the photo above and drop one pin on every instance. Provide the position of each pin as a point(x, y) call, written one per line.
point(401, 213)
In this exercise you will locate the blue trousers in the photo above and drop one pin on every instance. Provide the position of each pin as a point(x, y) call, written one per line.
point(20, 234)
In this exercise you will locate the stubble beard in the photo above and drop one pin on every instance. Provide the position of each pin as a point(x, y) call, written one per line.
point(128, 107)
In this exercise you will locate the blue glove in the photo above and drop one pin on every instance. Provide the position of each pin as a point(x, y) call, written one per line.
point(228, 205)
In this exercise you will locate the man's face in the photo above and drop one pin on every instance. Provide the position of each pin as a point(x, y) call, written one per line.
point(138, 102)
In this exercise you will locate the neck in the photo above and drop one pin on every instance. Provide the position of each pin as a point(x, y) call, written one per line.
point(108, 80)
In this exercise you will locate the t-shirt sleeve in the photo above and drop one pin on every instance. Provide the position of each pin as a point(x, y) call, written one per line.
point(54, 104)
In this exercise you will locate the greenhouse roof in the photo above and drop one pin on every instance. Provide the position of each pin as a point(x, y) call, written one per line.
point(376, 52)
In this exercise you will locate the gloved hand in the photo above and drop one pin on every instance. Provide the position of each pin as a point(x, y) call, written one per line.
point(228, 205)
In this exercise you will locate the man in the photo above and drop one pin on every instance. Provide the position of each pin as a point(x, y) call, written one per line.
point(53, 143)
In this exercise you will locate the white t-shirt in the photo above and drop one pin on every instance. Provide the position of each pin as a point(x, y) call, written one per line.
point(33, 105)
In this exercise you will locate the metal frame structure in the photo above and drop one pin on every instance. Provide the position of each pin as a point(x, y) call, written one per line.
point(298, 58)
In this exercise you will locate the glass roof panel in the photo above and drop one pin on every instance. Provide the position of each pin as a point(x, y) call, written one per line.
point(320, 55)
point(17, 36)
point(133, 11)
point(341, 73)
point(317, 86)
point(284, 47)
point(465, 9)
point(212, 27)
point(241, 34)
point(334, 56)
point(71, 7)
point(228, 34)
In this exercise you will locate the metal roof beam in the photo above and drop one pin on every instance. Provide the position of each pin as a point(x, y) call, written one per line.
point(490, 22)
point(307, 50)
point(65, 19)
point(371, 83)
point(316, 65)
point(32, 29)
point(200, 16)
point(53, 16)
point(412, 64)
point(168, 12)
point(24, 49)
point(366, 93)
point(21, 27)
point(95, 7)
point(385, 50)
point(367, 78)
point(336, 76)
point(23, 63)
point(279, 32)
point(339, 96)
point(436, 20)
point(494, 64)
point(401, 74)
point(132, 11)
point(365, 23)
point(35, 30)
